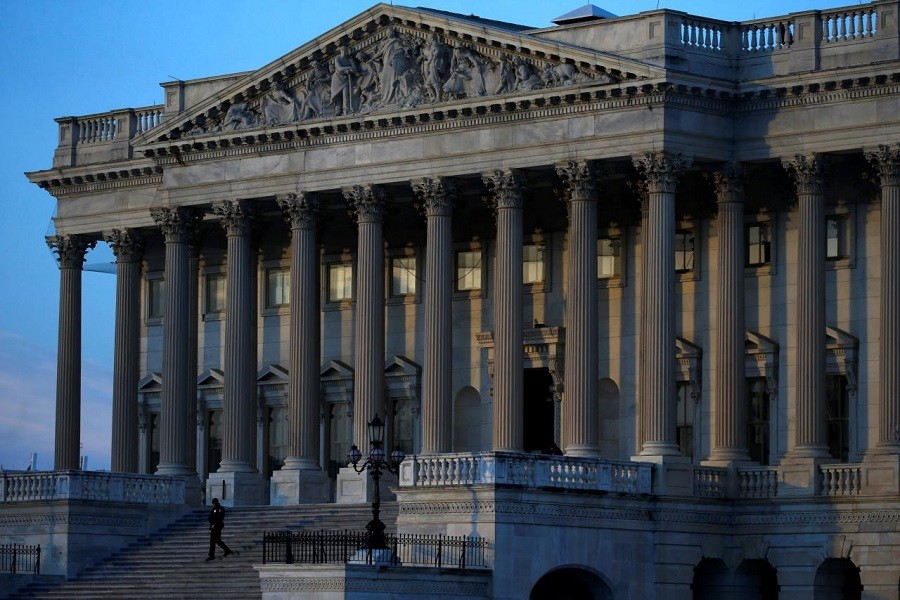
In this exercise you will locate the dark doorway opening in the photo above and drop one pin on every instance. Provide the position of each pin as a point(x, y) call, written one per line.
point(539, 412)
point(571, 583)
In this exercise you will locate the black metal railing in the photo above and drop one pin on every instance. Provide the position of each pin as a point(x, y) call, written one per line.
point(16, 558)
point(342, 547)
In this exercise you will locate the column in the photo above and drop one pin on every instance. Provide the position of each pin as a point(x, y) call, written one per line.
point(127, 245)
point(809, 375)
point(301, 479)
point(886, 160)
point(437, 410)
point(70, 251)
point(199, 412)
point(661, 171)
point(367, 204)
point(729, 406)
point(176, 416)
point(580, 401)
point(506, 187)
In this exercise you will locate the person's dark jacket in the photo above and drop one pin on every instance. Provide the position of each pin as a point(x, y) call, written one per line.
point(217, 517)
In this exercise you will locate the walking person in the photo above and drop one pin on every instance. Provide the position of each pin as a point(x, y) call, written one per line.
point(216, 524)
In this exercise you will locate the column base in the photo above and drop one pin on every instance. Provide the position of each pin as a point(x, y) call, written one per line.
point(357, 488)
point(881, 472)
point(236, 489)
point(728, 458)
point(582, 451)
point(289, 487)
point(673, 475)
point(175, 469)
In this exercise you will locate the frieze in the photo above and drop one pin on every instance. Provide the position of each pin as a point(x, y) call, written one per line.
point(525, 508)
point(53, 520)
point(301, 584)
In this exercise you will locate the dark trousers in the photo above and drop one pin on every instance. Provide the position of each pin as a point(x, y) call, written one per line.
point(215, 538)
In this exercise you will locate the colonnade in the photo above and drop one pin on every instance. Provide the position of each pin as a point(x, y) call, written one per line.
point(660, 172)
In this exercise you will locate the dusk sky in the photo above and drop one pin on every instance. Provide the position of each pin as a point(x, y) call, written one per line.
point(66, 58)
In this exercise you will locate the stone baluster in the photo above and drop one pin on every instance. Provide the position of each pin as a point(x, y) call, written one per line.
point(367, 203)
point(506, 186)
point(661, 171)
point(886, 160)
point(808, 175)
point(239, 402)
point(301, 211)
point(177, 407)
point(127, 245)
point(580, 401)
point(437, 410)
point(729, 409)
point(70, 251)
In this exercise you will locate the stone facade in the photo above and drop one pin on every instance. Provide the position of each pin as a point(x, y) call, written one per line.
point(625, 289)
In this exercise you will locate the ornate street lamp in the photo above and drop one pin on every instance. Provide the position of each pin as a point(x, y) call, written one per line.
point(375, 463)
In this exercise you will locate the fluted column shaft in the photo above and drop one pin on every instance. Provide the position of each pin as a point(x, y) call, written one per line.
point(301, 211)
point(508, 419)
point(662, 171)
point(239, 402)
point(887, 162)
point(367, 203)
point(580, 402)
point(70, 251)
point(437, 408)
point(177, 406)
point(127, 245)
point(198, 418)
point(810, 437)
point(729, 408)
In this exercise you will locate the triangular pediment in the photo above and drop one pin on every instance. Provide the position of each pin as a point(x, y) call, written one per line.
point(839, 339)
point(211, 378)
point(151, 382)
point(756, 343)
point(400, 365)
point(388, 60)
point(335, 369)
point(272, 373)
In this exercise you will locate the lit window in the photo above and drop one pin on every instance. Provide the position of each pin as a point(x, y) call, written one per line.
point(684, 426)
point(155, 299)
point(468, 270)
point(278, 288)
point(215, 293)
point(533, 263)
point(758, 420)
point(837, 417)
point(340, 282)
point(608, 257)
point(837, 237)
point(403, 276)
point(684, 251)
point(759, 245)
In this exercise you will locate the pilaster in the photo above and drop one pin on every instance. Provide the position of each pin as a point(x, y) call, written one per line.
point(506, 188)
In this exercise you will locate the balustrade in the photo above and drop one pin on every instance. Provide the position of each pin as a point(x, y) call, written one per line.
point(849, 24)
point(767, 36)
point(841, 480)
point(703, 35)
point(757, 482)
point(711, 482)
point(72, 485)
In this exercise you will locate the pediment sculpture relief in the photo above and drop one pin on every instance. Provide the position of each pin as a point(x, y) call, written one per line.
point(401, 71)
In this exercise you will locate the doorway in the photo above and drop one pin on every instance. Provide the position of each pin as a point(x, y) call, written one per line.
point(539, 417)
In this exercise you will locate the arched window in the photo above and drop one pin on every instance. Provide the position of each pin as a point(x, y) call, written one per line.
point(837, 579)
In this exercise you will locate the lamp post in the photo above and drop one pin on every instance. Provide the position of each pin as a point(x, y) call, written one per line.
point(375, 463)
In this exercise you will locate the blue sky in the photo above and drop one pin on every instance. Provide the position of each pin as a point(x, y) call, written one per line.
point(60, 58)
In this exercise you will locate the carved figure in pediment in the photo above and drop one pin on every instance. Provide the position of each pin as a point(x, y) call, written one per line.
point(317, 85)
point(280, 106)
point(506, 76)
point(561, 74)
point(395, 60)
point(344, 80)
point(466, 74)
point(527, 78)
point(239, 116)
point(367, 80)
point(435, 58)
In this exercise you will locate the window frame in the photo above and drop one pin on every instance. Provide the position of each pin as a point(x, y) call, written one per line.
point(481, 291)
point(767, 219)
point(151, 279)
point(847, 215)
point(540, 240)
point(328, 261)
point(408, 253)
point(268, 307)
point(692, 226)
point(205, 313)
point(617, 235)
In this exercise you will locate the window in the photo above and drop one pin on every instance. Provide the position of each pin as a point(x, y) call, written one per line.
point(684, 250)
point(154, 443)
point(609, 261)
point(837, 237)
point(340, 282)
point(213, 440)
point(403, 276)
point(278, 438)
point(758, 420)
point(340, 434)
point(468, 270)
point(533, 263)
point(759, 245)
point(404, 424)
point(278, 288)
point(837, 417)
point(155, 298)
point(215, 293)
point(684, 425)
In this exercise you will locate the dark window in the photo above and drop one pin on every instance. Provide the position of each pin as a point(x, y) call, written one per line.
point(684, 415)
point(758, 420)
point(837, 417)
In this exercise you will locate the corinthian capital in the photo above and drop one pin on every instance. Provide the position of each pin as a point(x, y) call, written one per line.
point(178, 224)
point(580, 179)
point(366, 202)
point(236, 216)
point(808, 172)
point(126, 244)
point(506, 187)
point(662, 170)
point(70, 249)
point(301, 210)
point(729, 181)
point(886, 160)
point(436, 195)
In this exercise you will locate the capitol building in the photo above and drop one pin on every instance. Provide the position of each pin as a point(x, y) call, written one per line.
point(624, 289)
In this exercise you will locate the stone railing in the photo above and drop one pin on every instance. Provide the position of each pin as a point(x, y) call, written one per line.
point(841, 480)
point(762, 482)
point(847, 24)
point(711, 482)
point(104, 136)
point(757, 482)
point(90, 485)
point(768, 35)
point(526, 470)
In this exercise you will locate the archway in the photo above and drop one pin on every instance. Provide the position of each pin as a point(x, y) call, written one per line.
point(838, 579)
point(755, 580)
point(571, 583)
point(711, 580)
